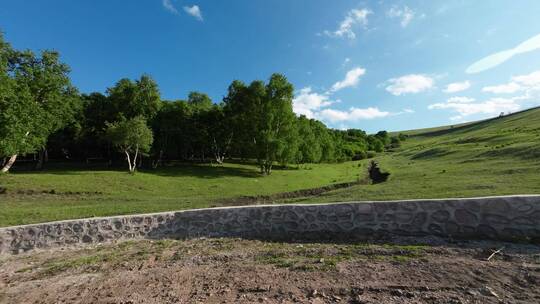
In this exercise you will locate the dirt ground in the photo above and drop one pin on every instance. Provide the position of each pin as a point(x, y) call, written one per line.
point(400, 270)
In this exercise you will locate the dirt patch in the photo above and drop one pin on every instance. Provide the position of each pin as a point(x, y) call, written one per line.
point(403, 270)
point(265, 199)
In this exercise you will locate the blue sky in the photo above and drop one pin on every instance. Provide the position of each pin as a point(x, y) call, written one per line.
point(373, 65)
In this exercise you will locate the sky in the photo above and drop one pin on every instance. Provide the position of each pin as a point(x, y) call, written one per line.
point(373, 65)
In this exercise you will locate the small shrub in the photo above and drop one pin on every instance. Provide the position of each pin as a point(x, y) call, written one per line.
point(360, 155)
point(375, 174)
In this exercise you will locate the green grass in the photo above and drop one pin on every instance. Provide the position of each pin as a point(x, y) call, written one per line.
point(321, 256)
point(133, 254)
point(493, 157)
point(56, 194)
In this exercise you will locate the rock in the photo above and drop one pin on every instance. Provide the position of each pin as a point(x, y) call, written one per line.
point(488, 291)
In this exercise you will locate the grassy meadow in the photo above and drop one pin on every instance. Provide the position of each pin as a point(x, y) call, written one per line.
point(493, 157)
point(62, 193)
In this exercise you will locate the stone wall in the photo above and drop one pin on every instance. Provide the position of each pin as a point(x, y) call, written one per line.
point(507, 218)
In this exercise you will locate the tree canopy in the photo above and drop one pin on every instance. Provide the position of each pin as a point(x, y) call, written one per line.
point(41, 111)
point(132, 137)
point(36, 100)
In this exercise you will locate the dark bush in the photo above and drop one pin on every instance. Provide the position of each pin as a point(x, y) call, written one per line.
point(360, 155)
point(375, 174)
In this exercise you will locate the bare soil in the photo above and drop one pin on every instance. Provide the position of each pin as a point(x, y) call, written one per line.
point(401, 270)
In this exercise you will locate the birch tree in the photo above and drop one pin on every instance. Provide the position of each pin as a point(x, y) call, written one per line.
point(36, 99)
point(132, 137)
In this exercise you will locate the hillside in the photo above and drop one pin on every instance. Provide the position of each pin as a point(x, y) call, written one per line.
point(492, 157)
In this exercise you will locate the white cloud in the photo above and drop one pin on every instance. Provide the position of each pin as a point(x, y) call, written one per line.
point(354, 17)
point(463, 109)
point(531, 80)
point(494, 60)
point(194, 11)
point(402, 112)
point(413, 83)
point(315, 105)
point(508, 88)
point(354, 114)
point(351, 79)
point(167, 4)
point(460, 100)
point(405, 14)
point(346, 61)
point(457, 87)
point(523, 83)
point(308, 102)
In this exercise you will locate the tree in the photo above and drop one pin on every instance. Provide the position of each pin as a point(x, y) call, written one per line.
point(171, 128)
point(135, 98)
point(375, 143)
point(309, 150)
point(36, 100)
point(274, 120)
point(200, 104)
point(239, 104)
point(218, 131)
point(131, 137)
point(395, 142)
point(199, 101)
point(384, 137)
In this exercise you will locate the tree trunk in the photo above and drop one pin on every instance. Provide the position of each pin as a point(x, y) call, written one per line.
point(9, 163)
point(43, 157)
point(134, 167)
point(157, 162)
point(129, 161)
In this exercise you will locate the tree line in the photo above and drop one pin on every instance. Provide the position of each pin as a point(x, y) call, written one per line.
point(43, 114)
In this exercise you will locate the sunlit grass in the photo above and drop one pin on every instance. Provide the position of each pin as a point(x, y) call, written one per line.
point(496, 157)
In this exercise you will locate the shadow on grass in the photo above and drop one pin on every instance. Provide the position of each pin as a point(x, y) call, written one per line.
point(205, 171)
point(523, 152)
point(431, 153)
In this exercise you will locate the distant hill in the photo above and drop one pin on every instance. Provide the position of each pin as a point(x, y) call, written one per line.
point(513, 136)
point(426, 131)
point(496, 156)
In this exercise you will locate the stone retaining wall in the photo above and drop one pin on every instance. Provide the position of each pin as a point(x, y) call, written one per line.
point(506, 218)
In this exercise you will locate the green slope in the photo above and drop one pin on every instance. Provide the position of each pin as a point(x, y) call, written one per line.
point(491, 157)
point(63, 192)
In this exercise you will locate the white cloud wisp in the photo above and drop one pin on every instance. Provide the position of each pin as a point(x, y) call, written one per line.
point(167, 4)
point(351, 79)
point(465, 106)
point(194, 11)
point(405, 14)
point(354, 114)
point(522, 83)
point(346, 27)
point(496, 59)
